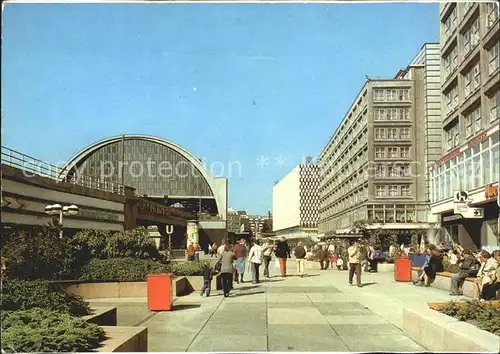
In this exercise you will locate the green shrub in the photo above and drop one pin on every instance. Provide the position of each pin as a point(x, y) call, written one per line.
point(131, 269)
point(37, 254)
point(27, 294)
point(40, 330)
point(135, 243)
point(481, 314)
point(90, 244)
point(122, 269)
point(187, 268)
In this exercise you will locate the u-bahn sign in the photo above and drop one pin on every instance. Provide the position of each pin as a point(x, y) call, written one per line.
point(150, 208)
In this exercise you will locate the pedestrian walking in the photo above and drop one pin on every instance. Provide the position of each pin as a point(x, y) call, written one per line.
point(322, 255)
point(300, 255)
point(267, 252)
point(255, 257)
point(207, 280)
point(225, 263)
point(240, 250)
point(354, 262)
point(282, 253)
point(191, 252)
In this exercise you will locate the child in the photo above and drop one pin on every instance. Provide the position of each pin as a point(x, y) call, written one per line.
point(207, 280)
point(340, 263)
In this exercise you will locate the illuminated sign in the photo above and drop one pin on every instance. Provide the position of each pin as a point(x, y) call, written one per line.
point(147, 207)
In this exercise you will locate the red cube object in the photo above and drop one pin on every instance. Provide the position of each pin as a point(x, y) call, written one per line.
point(402, 269)
point(159, 292)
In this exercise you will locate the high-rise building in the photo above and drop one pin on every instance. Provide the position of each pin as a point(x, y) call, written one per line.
point(296, 202)
point(374, 167)
point(470, 77)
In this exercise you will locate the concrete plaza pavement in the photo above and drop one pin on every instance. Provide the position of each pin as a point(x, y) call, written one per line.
point(320, 312)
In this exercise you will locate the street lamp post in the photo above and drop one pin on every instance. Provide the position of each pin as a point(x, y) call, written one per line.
point(57, 209)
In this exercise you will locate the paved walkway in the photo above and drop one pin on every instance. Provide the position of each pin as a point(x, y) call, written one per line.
point(318, 313)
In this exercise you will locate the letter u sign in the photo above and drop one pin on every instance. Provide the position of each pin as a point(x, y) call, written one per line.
point(170, 229)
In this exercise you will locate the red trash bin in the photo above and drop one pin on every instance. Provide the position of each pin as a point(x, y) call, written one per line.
point(402, 269)
point(159, 292)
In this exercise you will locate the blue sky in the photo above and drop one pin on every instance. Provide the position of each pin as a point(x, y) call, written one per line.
point(229, 82)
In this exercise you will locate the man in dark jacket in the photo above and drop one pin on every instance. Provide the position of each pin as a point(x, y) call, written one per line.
point(468, 265)
point(282, 253)
point(300, 255)
point(322, 255)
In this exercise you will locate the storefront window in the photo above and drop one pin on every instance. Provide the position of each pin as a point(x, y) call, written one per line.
point(400, 215)
point(448, 184)
point(495, 165)
point(477, 172)
point(468, 174)
point(461, 174)
point(389, 213)
point(379, 213)
point(410, 215)
point(486, 167)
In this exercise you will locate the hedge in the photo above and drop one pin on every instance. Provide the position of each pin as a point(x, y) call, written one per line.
point(40, 330)
point(28, 294)
point(480, 314)
point(131, 269)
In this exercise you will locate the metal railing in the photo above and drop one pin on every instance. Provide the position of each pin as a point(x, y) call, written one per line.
point(34, 167)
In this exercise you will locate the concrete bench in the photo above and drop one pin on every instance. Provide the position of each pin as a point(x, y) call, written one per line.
point(443, 282)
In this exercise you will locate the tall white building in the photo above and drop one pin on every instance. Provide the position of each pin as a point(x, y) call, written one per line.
point(296, 202)
point(470, 84)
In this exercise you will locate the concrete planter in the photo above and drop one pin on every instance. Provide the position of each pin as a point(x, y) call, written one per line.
point(106, 290)
point(103, 316)
point(125, 339)
point(444, 283)
point(385, 267)
point(439, 332)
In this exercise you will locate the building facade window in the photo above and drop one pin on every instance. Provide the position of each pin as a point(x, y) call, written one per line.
point(473, 122)
point(450, 61)
point(379, 133)
point(379, 152)
point(404, 95)
point(392, 133)
point(380, 114)
point(393, 191)
point(491, 14)
point(494, 58)
point(391, 95)
point(494, 106)
point(379, 172)
point(472, 80)
point(404, 114)
point(404, 133)
point(450, 24)
point(380, 190)
point(391, 172)
point(405, 190)
point(471, 37)
point(379, 95)
point(404, 151)
point(404, 170)
point(452, 136)
point(451, 99)
point(392, 152)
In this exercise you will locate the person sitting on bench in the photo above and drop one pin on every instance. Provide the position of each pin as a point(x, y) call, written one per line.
point(491, 290)
point(468, 267)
